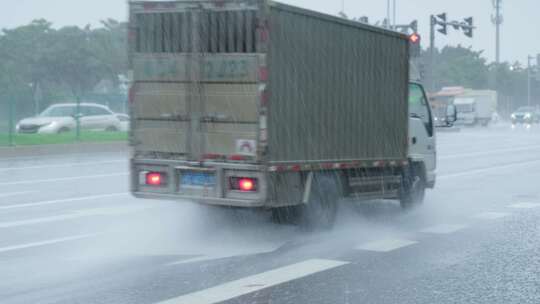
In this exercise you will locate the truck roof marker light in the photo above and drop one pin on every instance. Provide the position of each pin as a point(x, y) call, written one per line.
point(154, 179)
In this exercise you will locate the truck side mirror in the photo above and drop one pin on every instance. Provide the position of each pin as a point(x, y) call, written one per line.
point(451, 114)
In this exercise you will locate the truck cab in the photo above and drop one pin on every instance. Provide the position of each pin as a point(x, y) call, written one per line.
point(422, 140)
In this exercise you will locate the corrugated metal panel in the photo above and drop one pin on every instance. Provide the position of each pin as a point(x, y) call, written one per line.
point(160, 100)
point(161, 136)
point(337, 90)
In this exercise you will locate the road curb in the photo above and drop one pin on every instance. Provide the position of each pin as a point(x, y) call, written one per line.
point(76, 148)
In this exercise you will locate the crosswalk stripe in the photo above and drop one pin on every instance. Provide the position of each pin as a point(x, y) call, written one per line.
point(443, 229)
point(385, 245)
point(256, 282)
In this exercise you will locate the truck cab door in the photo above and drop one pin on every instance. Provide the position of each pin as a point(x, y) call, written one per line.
point(422, 142)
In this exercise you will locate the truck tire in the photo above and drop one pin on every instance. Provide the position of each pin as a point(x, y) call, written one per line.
point(286, 215)
point(413, 188)
point(321, 210)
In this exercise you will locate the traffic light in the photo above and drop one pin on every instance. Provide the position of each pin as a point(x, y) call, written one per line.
point(414, 26)
point(469, 27)
point(414, 45)
point(444, 26)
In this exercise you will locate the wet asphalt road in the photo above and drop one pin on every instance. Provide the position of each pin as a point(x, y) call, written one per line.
point(70, 233)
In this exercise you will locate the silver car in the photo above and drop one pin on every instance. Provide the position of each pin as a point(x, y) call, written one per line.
point(60, 118)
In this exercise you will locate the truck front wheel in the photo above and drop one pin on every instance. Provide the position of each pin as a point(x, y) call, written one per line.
point(413, 188)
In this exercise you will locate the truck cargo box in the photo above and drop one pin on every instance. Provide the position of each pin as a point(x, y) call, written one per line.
point(263, 82)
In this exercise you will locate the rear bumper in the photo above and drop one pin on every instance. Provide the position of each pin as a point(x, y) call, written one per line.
point(205, 201)
point(215, 194)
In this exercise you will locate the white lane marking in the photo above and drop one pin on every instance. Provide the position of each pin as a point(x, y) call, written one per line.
point(197, 257)
point(524, 205)
point(443, 229)
point(385, 245)
point(74, 215)
point(528, 148)
point(484, 170)
point(491, 215)
point(45, 243)
point(256, 282)
point(63, 156)
point(59, 201)
point(15, 193)
point(63, 165)
point(60, 179)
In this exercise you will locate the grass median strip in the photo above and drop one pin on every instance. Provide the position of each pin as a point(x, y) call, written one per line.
point(64, 138)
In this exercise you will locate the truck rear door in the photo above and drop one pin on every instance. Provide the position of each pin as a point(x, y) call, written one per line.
point(195, 69)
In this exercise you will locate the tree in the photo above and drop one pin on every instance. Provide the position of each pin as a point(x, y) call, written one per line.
point(458, 66)
point(23, 51)
point(111, 47)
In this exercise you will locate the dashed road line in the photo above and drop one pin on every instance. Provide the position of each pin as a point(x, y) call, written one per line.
point(256, 282)
point(61, 179)
point(46, 243)
point(491, 215)
point(487, 169)
point(69, 165)
point(490, 152)
point(59, 201)
point(524, 205)
point(2, 195)
point(74, 215)
point(386, 245)
point(443, 229)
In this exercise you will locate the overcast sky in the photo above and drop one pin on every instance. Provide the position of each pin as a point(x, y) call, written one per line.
point(520, 31)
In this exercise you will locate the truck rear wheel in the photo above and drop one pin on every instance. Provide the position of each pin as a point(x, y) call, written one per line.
point(413, 188)
point(321, 210)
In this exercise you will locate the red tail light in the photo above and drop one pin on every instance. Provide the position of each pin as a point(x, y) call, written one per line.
point(155, 179)
point(244, 184)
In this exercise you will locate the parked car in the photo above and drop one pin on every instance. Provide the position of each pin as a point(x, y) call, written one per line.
point(124, 121)
point(527, 115)
point(61, 118)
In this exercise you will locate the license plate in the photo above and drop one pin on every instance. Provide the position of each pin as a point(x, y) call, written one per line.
point(197, 179)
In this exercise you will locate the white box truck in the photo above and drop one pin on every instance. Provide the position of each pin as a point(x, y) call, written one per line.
point(476, 107)
point(257, 104)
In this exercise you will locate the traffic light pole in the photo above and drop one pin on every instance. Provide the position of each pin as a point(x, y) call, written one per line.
point(467, 27)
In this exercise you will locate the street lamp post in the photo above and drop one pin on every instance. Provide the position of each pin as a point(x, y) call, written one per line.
point(394, 14)
point(11, 122)
point(529, 66)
